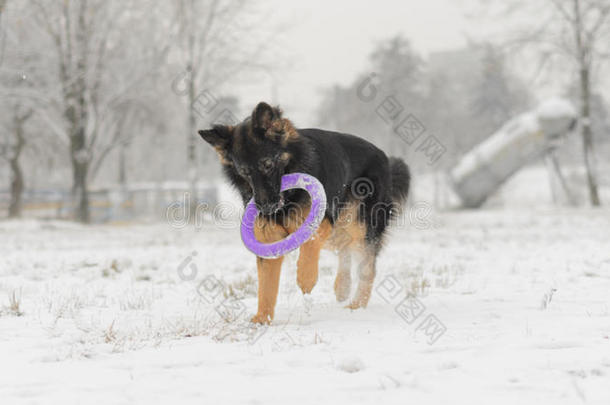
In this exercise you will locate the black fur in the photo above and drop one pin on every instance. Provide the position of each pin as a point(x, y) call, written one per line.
point(257, 152)
point(401, 179)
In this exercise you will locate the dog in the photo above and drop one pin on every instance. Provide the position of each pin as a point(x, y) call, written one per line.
point(364, 190)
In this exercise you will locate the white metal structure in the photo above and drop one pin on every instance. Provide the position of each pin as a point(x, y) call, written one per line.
point(522, 139)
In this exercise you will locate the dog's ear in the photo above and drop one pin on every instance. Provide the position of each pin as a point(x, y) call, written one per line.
point(220, 136)
point(263, 116)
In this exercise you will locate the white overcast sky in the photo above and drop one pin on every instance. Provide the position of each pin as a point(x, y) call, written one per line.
point(328, 42)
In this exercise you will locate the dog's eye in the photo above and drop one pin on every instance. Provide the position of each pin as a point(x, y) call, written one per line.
point(244, 171)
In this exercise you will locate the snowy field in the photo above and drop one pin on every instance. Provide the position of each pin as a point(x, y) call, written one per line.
point(511, 307)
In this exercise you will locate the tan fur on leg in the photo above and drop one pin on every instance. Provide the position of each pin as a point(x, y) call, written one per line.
point(366, 277)
point(268, 271)
point(343, 281)
point(268, 286)
point(348, 237)
point(309, 255)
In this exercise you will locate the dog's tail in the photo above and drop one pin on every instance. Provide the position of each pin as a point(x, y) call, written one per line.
point(401, 179)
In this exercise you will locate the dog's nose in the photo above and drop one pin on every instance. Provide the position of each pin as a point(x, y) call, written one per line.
point(268, 208)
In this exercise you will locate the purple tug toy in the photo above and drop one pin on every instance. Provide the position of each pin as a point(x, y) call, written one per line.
point(301, 235)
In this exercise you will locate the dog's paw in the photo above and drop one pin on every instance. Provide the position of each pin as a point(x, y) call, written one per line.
point(261, 319)
point(356, 304)
point(342, 294)
point(306, 281)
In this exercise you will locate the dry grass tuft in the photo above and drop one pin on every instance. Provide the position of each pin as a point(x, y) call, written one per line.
point(245, 287)
point(110, 334)
point(14, 305)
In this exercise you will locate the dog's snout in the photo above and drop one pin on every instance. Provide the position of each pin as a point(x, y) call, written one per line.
point(267, 207)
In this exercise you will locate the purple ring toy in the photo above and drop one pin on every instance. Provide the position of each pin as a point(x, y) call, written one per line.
point(301, 235)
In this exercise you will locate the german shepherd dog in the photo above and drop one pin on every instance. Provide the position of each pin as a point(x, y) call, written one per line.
point(364, 189)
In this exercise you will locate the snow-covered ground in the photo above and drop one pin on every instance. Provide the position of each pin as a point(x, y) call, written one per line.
point(511, 307)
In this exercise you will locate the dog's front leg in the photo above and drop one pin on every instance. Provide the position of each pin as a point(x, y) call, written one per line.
point(268, 285)
point(309, 255)
point(267, 231)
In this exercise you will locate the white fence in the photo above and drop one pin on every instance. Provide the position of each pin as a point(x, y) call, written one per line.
point(142, 201)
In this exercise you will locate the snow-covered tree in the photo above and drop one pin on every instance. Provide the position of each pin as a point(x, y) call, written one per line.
point(93, 73)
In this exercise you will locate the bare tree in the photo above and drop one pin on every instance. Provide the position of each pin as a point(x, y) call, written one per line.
point(577, 32)
point(590, 27)
point(12, 150)
point(497, 94)
point(215, 41)
point(15, 115)
point(94, 86)
point(398, 72)
point(100, 76)
point(17, 181)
